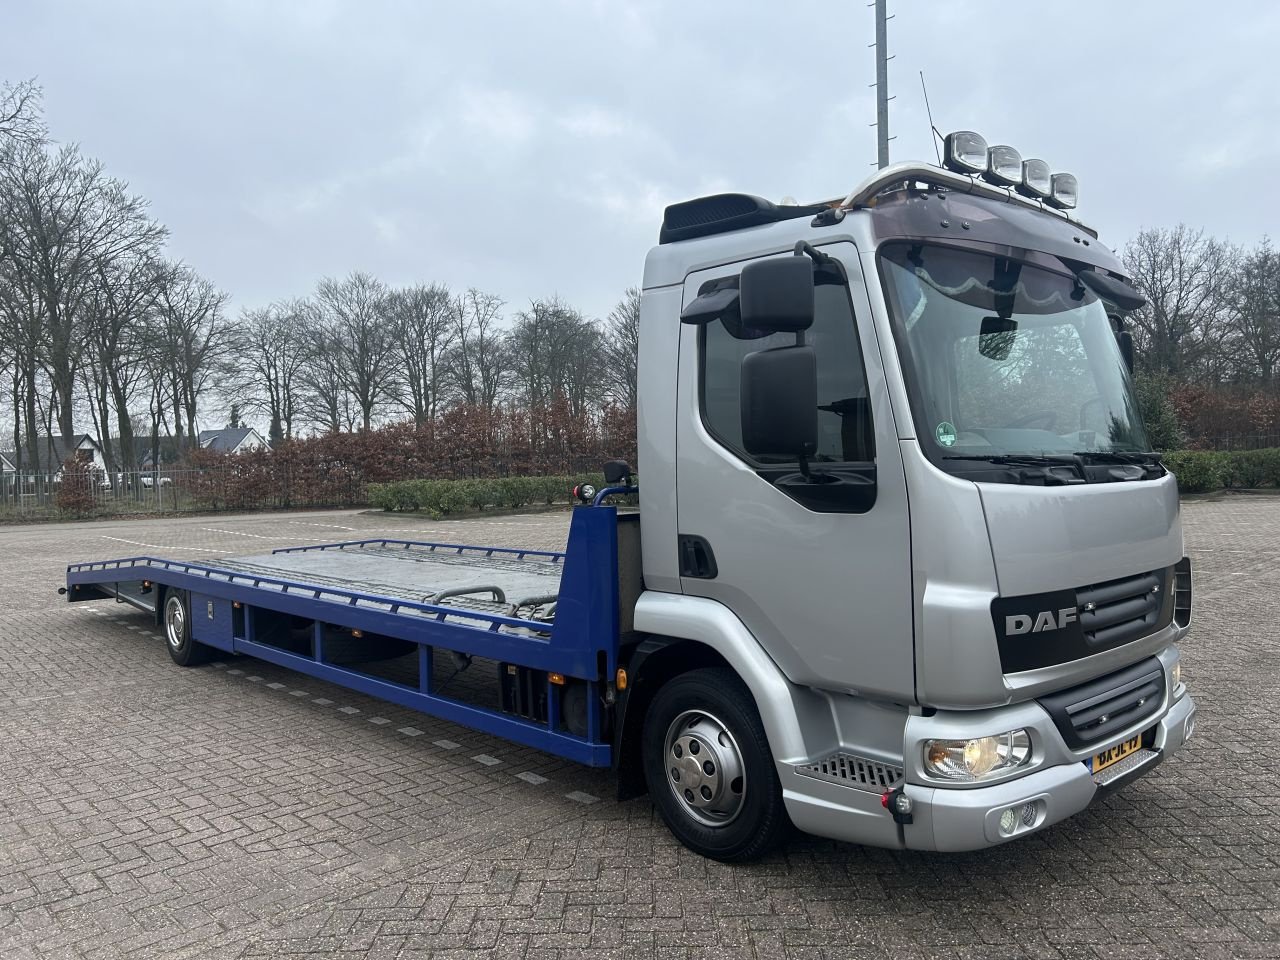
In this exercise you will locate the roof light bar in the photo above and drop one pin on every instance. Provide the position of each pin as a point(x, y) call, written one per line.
point(1065, 191)
point(1036, 182)
point(965, 152)
point(1004, 166)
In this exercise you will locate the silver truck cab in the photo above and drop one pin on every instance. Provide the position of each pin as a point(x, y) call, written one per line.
point(914, 511)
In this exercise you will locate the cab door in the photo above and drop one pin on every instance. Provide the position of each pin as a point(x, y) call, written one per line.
point(823, 581)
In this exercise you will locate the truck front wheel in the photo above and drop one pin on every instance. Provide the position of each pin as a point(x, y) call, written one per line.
point(183, 649)
point(708, 767)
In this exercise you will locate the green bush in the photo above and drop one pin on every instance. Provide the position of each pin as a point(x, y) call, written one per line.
point(445, 498)
point(1198, 471)
point(1252, 468)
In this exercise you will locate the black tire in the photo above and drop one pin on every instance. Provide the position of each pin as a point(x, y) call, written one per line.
point(175, 619)
point(710, 713)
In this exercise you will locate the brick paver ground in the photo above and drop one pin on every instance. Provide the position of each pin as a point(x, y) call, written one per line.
point(239, 810)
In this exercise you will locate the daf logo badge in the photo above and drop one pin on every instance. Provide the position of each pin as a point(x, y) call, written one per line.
point(1042, 621)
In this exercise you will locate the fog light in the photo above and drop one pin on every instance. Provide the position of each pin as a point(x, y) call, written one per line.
point(1009, 821)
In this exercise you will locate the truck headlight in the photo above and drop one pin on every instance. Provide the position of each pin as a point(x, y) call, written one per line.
point(976, 759)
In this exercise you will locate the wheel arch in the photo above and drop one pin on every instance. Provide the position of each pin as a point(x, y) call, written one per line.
point(684, 633)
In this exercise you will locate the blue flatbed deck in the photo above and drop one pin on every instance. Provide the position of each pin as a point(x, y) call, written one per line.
point(549, 621)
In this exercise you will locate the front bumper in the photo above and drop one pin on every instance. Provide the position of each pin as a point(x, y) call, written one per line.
point(954, 819)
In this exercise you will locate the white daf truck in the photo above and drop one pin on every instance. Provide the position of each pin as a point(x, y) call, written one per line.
point(905, 571)
point(897, 496)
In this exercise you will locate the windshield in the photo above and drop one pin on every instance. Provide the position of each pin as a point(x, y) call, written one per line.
point(1006, 358)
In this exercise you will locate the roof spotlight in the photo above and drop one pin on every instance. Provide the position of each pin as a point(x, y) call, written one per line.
point(965, 152)
point(1035, 180)
point(1004, 166)
point(1065, 191)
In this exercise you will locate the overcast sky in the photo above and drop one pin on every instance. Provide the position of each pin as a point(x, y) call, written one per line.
point(528, 148)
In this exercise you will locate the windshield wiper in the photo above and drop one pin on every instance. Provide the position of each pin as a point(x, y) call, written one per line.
point(1053, 471)
point(1111, 456)
point(1016, 459)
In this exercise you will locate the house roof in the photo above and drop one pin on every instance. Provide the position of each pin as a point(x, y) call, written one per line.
point(225, 440)
point(52, 452)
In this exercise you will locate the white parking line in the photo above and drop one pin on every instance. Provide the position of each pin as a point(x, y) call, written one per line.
point(487, 760)
point(446, 744)
point(410, 731)
point(529, 777)
point(577, 796)
point(238, 533)
point(156, 546)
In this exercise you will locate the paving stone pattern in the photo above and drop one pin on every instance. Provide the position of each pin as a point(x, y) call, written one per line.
point(239, 810)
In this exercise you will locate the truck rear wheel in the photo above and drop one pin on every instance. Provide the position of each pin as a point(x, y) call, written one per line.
point(183, 650)
point(709, 769)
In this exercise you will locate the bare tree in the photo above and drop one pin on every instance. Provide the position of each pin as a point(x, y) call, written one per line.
point(354, 315)
point(21, 117)
point(1254, 299)
point(479, 363)
point(63, 219)
point(119, 312)
point(622, 348)
point(1182, 273)
point(273, 348)
point(324, 399)
point(193, 344)
point(556, 351)
point(422, 328)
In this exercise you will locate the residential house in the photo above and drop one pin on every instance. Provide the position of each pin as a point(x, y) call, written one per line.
point(53, 452)
point(233, 440)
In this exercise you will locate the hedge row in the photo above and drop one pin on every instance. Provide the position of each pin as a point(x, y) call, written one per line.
point(442, 498)
point(1203, 471)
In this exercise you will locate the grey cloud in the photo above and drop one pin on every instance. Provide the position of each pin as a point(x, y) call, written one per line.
point(529, 148)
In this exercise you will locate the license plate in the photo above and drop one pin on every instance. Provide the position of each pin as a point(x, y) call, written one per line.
point(1114, 754)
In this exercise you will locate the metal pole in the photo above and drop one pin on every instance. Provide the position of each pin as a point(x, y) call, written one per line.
point(882, 83)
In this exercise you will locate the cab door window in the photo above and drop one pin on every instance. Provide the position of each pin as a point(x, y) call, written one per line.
point(845, 433)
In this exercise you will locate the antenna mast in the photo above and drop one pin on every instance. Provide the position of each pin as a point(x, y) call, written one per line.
point(882, 82)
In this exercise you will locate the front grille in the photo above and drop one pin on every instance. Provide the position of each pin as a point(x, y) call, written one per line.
point(1118, 611)
point(853, 771)
point(1100, 709)
point(1046, 629)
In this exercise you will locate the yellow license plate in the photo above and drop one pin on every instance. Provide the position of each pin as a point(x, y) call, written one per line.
point(1114, 754)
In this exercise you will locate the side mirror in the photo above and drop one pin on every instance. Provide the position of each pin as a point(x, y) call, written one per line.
point(776, 295)
point(1124, 340)
point(996, 336)
point(617, 471)
point(780, 402)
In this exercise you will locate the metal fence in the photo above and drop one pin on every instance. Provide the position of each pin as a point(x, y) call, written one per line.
point(123, 493)
point(1250, 441)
